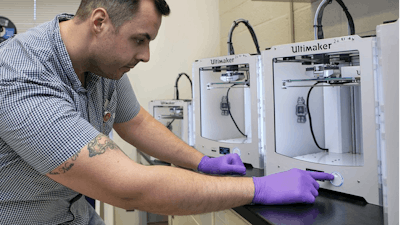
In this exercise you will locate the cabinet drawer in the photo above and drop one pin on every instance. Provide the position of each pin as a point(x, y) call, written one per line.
point(182, 220)
point(201, 219)
point(229, 217)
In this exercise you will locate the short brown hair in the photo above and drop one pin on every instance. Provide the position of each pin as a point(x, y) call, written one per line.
point(119, 11)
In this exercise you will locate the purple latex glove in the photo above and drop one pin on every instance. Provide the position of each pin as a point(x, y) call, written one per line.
point(227, 164)
point(293, 186)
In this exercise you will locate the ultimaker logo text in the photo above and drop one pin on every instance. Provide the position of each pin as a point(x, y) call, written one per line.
point(309, 48)
point(226, 60)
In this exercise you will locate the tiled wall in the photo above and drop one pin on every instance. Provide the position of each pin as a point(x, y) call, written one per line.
point(282, 22)
point(270, 21)
point(367, 14)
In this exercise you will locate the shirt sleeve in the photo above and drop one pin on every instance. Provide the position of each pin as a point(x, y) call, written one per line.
point(127, 105)
point(41, 123)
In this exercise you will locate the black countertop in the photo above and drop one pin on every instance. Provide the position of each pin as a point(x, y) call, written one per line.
point(329, 208)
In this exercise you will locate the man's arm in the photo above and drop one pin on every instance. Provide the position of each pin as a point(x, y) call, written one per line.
point(102, 171)
point(150, 136)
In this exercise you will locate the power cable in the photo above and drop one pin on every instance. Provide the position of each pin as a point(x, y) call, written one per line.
point(231, 51)
point(309, 118)
point(176, 85)
point(169, 125)
point(229, 110)
point(319, 34)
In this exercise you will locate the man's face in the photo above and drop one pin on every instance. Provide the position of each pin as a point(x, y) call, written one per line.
point(118, 52)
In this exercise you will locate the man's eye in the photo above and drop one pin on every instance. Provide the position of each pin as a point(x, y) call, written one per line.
point(139, 41)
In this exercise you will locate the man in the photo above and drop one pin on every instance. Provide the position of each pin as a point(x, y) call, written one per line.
point(63, 89)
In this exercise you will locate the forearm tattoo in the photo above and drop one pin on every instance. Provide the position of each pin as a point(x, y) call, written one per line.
point(97, 146)
point(100, 145)
point(67, 165)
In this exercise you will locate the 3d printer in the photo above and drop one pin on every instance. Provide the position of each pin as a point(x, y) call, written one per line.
point(228, 107)
point(328, 75)
point(228, 104)
point(323, 112)
point(176, 115)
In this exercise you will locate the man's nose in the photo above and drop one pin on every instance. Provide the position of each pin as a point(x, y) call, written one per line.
point(144, 55)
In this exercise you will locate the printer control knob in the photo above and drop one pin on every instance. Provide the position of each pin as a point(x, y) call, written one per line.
point(338, 180)
point(237, 151)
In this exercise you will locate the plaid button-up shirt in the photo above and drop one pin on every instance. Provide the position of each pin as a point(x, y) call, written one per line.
point(46, 116)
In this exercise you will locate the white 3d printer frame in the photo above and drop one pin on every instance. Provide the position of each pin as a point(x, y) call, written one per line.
point(213, 131)
point(185, 131)
point(361, 179)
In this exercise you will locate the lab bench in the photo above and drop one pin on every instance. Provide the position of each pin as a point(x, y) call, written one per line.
point(329, 208)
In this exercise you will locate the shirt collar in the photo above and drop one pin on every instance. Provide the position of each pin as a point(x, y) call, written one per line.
point(62, 54)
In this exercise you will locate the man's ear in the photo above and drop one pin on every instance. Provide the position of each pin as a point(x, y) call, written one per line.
point(98, 20)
